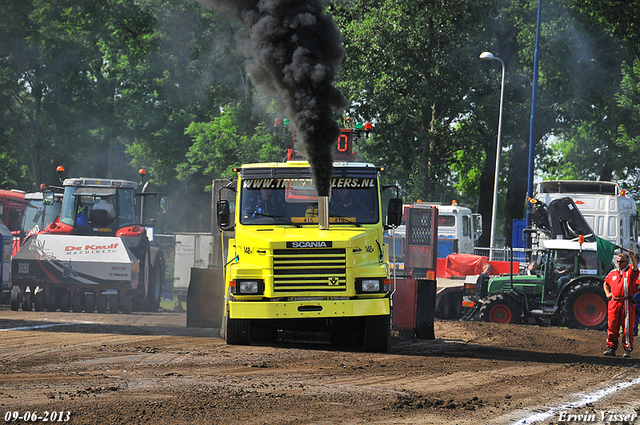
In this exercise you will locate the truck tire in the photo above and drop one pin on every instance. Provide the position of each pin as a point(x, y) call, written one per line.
point(238, 331)
point(114, 303)
point(377, 333)
point(15, 298)
point(27, 301)
point(127, 304)
point(78, 301)
point(39, 300)
point(52, 299)
point(585, 306)
point(102, 303)
point(64, 300)
point(500, 309)
point(89, 302)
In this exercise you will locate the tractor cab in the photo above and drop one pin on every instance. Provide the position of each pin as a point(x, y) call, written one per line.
point(568, 261)
point(96, 207)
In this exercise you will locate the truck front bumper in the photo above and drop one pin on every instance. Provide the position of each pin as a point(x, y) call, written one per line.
point(308, 309)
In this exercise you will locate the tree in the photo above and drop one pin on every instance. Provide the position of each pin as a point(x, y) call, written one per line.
point(582, 79)
point(407, 69)
point(61, 67)
point(224, 143)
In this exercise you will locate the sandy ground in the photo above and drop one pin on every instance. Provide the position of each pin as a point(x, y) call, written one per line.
point(150, 368)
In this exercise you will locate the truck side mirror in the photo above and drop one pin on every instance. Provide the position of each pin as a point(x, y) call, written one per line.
point(394, 212)
point(224, 215)
point(478, 227)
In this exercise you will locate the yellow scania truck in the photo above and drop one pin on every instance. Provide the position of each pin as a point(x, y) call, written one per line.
point(298, 261)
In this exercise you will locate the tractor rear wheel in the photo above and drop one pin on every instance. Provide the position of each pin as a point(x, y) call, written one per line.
point(585, 306)
point(500, 309)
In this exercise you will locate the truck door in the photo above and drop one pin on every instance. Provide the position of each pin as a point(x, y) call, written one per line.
point(465, 237)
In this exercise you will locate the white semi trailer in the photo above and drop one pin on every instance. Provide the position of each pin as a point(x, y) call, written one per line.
point(609, 212)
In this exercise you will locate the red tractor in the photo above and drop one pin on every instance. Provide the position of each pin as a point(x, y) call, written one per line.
point(98, 254)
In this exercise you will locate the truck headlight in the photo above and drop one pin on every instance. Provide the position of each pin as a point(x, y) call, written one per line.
point(368, 285)
point(249, 287)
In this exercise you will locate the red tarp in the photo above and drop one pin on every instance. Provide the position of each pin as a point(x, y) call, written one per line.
point(463, 265)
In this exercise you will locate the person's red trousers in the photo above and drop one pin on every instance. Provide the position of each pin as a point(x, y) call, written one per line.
point(618, 317)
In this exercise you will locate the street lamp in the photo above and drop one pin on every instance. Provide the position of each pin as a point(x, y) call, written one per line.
point(494, 213)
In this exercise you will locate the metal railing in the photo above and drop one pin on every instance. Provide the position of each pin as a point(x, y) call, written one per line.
point(521, 255)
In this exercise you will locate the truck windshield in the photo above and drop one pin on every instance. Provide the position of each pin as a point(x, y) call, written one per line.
point(37, 216)
point(278, 201)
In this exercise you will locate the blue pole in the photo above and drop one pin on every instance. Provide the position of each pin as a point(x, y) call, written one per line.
point(532, 129)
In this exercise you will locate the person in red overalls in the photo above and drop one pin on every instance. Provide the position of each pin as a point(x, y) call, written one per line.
point(619, 286)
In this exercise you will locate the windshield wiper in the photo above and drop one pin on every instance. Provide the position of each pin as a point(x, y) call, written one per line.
point(277, 217)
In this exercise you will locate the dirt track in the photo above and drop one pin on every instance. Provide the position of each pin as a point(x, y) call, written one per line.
point(149, 368)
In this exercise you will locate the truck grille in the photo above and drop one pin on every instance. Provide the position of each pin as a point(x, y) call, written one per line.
point(309, 270)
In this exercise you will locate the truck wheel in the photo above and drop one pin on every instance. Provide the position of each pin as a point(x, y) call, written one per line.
point(500, 309)
point(238, 331)
point(89, 302)
point(52, 299)
point(64, 300)
point(377, 334)
point(39, 300)
point(127, 304)
point(114, 303)
point(15, 298)
point(27, 304)
point(78, 298)
point(585, 307)
point(102, 303)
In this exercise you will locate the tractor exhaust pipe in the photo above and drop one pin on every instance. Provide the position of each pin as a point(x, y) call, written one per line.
point(323, 212)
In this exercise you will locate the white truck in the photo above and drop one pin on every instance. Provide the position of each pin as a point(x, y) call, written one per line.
point(191, 250)
point(609, 212)
point(455, 222)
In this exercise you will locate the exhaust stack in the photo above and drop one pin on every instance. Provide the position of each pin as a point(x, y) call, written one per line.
point(323, 212)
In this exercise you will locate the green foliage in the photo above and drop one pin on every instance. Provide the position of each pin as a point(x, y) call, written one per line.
point(629, 101)
point(223, 143)
point(404, 71)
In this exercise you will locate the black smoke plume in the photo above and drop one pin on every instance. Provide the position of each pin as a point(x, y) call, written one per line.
point(295, 50)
